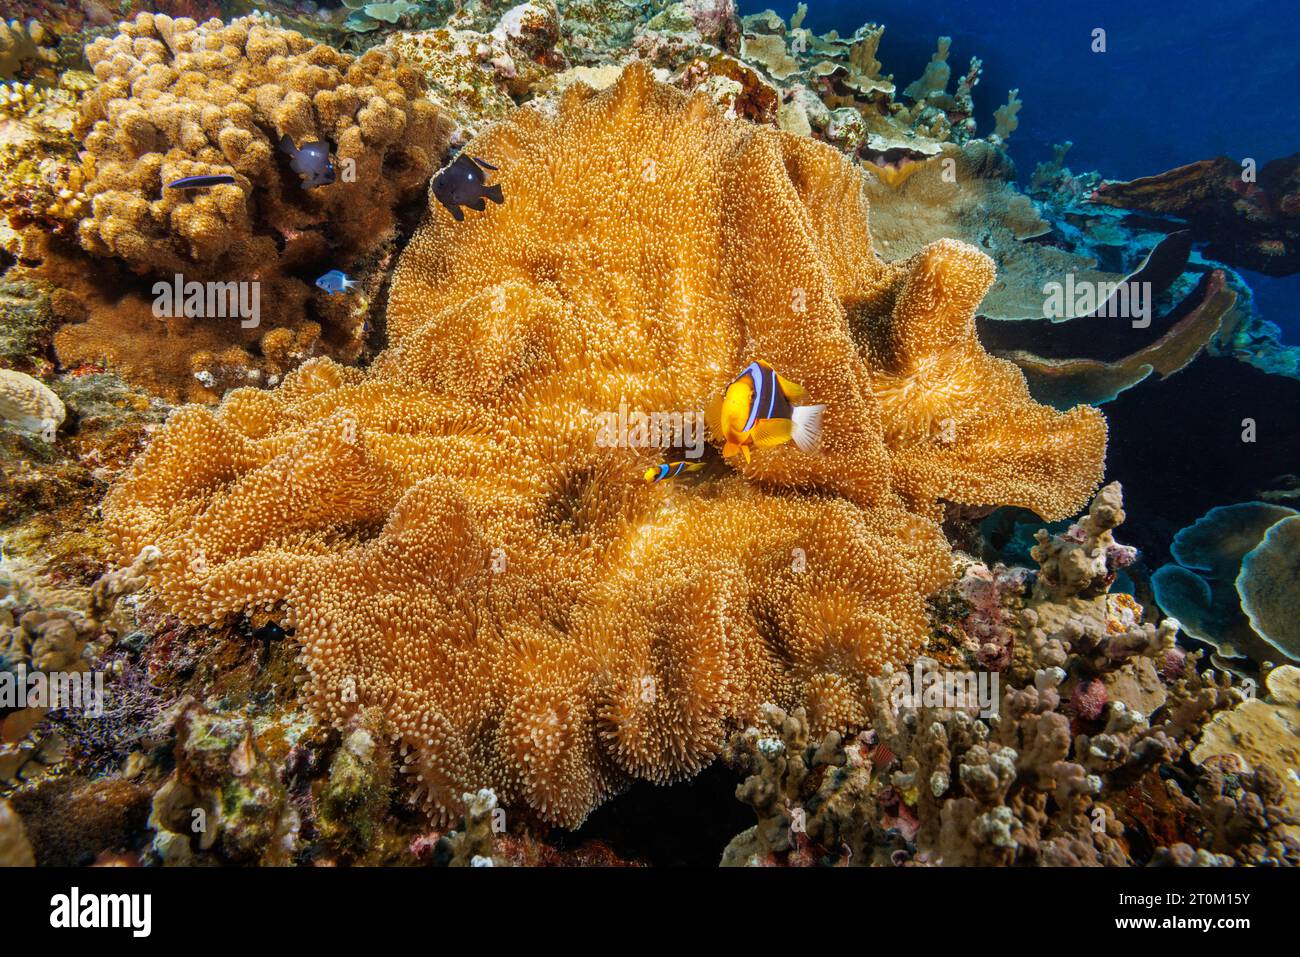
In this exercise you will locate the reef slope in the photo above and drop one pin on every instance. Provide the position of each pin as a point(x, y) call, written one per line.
point(450, 542)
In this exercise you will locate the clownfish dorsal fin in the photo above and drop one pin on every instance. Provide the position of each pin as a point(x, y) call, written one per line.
point(793, 390)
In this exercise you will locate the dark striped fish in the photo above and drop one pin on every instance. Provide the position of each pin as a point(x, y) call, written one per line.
point(201, 182)
point(671, 470)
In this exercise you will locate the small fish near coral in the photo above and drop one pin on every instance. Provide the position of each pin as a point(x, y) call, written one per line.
point(667, 470)
point(462, 183)
point(335, 281)
point(757, 410)
point(202, 182)
point(311, 161)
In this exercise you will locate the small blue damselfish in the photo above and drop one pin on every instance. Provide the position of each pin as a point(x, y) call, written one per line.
point(335, 281)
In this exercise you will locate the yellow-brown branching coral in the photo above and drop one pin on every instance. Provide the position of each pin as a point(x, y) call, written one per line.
point(452, 543)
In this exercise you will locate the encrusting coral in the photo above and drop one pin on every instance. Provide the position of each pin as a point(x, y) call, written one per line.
point(451, 543)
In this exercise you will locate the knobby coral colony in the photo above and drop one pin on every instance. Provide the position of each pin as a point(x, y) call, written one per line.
point(449, 542)
point(175, 101)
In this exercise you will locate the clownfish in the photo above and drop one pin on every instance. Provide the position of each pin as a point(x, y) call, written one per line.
point(671, 470)
point(757, 410)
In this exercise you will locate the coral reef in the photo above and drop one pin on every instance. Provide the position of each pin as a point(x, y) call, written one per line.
point(418, 613)
point(41, 634)
point(1237, 607)
point(29, 405)
point(223, 794)
point(1089, 759)
point(42, 182)
point(1182, 334)
point(154, 118)
point(176, 99)
point(472, 845)
point(24, 46)
point(967, 193)
point(1246, 218)
point(1118, 237)
point(1262, 733)
point(450, 543)
point(1266, 584)
point(26, 323)
point(15, 850)
point(477, 75)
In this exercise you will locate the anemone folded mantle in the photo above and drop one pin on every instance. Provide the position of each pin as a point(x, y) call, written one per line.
point(451, 543)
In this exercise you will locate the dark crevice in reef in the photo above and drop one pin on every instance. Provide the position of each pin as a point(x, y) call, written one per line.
point(680, 825)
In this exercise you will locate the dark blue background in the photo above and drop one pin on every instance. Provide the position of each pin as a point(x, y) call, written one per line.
point(1180, 81)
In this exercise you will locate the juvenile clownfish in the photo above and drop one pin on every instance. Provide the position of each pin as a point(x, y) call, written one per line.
point(671, 470)
point(757, 410)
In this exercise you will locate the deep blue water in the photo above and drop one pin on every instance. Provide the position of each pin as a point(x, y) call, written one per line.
point(1179, 81)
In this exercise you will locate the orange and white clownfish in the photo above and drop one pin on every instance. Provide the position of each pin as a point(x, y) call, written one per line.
point(757, 410)
point(669, 470)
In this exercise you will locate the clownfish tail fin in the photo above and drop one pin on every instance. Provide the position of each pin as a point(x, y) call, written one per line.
point(807, 427)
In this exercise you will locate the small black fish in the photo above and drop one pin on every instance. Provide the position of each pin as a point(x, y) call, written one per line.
point(311, 161)
point(201, 182)
point(461, 184)
point(271, 631)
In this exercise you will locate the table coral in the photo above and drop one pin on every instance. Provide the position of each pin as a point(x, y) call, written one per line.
point(1267, 586)
point(452, 544)
point(968, 193)
point(1246, 223)
point(1206, 584)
